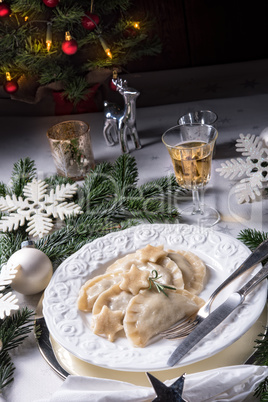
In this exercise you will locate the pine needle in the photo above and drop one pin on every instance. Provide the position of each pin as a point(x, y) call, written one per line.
point(24, 51)
point(110, 199)
point(13, 331)
point(9, 243)
point(252, 237)
point(7, 369)
point(3, 189)
point(24, 171)
point(262, 390)
point(124, 175)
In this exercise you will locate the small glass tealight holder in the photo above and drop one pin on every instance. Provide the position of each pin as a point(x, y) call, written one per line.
point(70, 145)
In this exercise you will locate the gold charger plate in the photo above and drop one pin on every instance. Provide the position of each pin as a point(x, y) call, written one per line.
point(236, 354)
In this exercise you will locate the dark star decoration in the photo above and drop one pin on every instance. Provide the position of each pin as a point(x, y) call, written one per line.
point(224, 229)
point(164, 393)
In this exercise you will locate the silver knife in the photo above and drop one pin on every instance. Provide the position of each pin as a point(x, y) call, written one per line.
point(216, 317)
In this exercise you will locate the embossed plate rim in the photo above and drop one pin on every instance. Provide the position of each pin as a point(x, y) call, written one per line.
point(69, 327)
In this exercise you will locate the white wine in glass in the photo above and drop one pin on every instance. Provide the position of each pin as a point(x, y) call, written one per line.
point(191, 150)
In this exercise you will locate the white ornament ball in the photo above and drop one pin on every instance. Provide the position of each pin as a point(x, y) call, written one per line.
point(264, 135)
point(34, 270)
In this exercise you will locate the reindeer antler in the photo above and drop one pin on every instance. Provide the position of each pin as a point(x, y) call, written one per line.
point(118, 82)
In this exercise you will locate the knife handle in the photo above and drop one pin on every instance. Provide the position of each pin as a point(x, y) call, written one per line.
point(258, 255)
point(247, 288)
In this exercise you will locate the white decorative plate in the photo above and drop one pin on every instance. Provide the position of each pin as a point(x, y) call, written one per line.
point(70, 327)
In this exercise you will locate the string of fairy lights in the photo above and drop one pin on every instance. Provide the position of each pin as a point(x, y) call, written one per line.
point(69, 46)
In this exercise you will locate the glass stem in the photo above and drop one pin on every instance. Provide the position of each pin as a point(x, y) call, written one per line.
point(198, 201)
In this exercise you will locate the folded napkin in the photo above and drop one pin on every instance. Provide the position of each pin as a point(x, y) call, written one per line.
point(234, 383)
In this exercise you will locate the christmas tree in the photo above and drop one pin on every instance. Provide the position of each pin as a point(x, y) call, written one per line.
point(69, 46)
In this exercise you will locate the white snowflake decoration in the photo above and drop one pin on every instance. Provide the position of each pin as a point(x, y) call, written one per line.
point(255, 167)
point(8, 302)
point(37, 207)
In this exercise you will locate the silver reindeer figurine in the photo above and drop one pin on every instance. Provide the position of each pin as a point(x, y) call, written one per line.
point(119, 123)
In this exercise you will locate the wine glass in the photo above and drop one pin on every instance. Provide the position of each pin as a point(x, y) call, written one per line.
point(190, 147)
point(199, 116)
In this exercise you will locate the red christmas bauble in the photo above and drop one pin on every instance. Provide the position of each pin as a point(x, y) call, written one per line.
point(4, 10)
point(69, 47)
point(113, 86)
point(11, 87)
point(51, 3)
point(88, 23)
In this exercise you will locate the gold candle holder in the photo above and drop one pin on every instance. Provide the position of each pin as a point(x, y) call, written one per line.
point(70, 145)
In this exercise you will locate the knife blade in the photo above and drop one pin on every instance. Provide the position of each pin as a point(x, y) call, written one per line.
point(216, 317)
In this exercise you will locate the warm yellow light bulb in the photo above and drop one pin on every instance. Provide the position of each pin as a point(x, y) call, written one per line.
point(109, 54)
point(136, 25)
point(49, 36)
point(8, 76)
point(105, 47)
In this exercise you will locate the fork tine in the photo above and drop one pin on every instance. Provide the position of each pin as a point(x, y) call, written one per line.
point(182, 324)
point(179, 328)
point(182, 333)
point(186, 329)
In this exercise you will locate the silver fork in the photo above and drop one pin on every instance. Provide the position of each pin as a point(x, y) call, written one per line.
point(183, 327)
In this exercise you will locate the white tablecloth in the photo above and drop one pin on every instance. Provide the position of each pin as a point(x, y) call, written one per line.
point(26, 136)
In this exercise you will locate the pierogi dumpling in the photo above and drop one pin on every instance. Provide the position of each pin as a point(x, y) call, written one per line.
point(110, 306)
point(151, 312)
point(114, 298)
point(169, 271)
point(128, 299)
point(124, 263)
point(94, 287)
point(193, 269)
point(139, 258)
point(151, 258)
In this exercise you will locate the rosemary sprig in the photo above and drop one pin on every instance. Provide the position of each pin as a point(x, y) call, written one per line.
point(160, 287)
